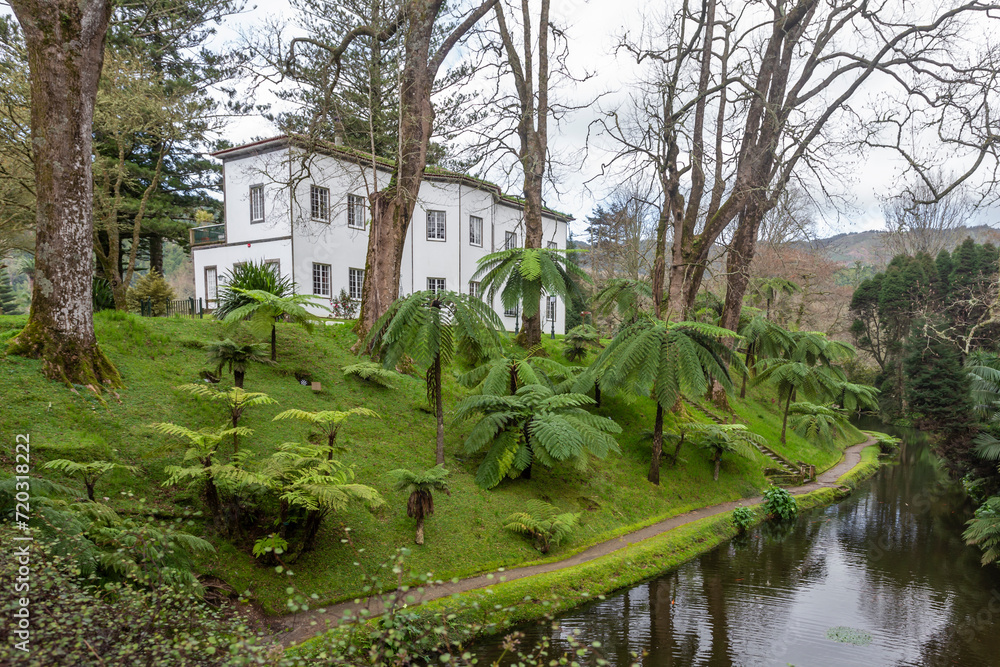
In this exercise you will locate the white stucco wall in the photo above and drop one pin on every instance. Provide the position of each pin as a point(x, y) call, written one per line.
point(291, 236)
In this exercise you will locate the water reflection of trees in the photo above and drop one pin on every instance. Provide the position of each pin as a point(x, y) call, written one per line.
point(890, 559)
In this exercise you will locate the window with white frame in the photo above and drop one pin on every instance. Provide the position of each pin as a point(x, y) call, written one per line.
point(550, 309)
point(319, 203)
point(510, 312)
point(321, 279)
point(475, 230)
point(211, 284)
point(510, 240)
point(356, 212)
point(355, 281)
point(256, 203)
point(436, 225)
point(435, 284)
point(275, 265)
point(475, 290)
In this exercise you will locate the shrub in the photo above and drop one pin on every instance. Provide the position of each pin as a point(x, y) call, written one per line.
point(887, 444)
point(744, 517)
point(579, 341)
point(344, 307)
point(75, 623)
point(153, 287)
point(544, 523)
point(249, 276)
point(371, 372)
point(779, 504)
point(103, 297)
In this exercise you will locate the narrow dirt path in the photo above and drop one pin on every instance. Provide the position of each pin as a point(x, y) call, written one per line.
point(303, 625)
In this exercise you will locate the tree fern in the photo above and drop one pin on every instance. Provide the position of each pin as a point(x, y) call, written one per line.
point(235, 400)
point(534, 424)
point(544, 523)
point(420, 487)
point(236, 356)
point(264, 309)
point(90, 472)
point(983, 530)
point(522, 275)
point(624, 297)
point(430, 327)
point(371, 372)
point(721, 439)
point(579, 341)
point(817, 422)
point(663, 360)
point(326, 422)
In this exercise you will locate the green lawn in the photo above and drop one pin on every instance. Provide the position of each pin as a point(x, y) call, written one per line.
point(465, 534)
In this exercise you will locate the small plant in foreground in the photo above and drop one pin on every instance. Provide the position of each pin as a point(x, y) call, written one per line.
point(743, 518)
point(88, 472)
point(421, 487)
point(887, 444)
point(372, 373)
point(544, 523)
point(779, 504)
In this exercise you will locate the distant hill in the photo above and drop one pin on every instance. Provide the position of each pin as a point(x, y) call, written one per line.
point(869, 247)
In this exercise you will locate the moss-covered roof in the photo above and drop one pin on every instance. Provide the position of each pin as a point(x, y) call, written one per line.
point(361, 157)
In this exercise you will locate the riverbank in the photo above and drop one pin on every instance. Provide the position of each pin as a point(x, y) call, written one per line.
point(494, 602)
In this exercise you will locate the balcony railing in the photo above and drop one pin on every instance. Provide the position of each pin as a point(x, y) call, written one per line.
point(208, 234)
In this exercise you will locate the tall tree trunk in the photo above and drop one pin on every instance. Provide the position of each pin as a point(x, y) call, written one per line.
point(654, 463)
point(420, 530)
point(741, 253)
point(392, 207)
point(439, 410)
point(532, 131)
point(660, 261)
point(156, 252)
point(784, 420)
point(677, 450)
point(65, 44)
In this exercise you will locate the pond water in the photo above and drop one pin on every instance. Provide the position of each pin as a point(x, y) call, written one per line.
point(882, 578)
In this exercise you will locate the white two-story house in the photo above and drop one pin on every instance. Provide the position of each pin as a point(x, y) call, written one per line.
point(308, 213)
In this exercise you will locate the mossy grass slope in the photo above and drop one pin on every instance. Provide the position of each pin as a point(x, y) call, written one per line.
point(465, 535)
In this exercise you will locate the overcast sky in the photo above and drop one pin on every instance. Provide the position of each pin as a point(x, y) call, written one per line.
point(593, 29)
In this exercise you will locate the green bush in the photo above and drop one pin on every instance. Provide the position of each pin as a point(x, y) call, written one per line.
point(249, 276)
point(103, 297)
point(73, 622)
point(744, 517)
point(779, 504)
point(151, 286)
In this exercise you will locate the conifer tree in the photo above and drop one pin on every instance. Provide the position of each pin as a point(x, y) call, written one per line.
point(937, 387)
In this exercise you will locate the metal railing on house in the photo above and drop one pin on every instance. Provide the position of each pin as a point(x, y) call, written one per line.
point(189, 307)
point(208, 234)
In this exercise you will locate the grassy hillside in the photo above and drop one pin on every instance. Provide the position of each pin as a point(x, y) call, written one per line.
point(465, 534)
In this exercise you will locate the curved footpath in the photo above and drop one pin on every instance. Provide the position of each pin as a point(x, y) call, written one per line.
point(304, 625)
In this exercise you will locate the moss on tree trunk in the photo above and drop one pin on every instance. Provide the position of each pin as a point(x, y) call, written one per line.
point(65, 45)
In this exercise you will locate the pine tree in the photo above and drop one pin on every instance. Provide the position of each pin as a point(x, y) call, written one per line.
point(937, 387)
point(942, 285)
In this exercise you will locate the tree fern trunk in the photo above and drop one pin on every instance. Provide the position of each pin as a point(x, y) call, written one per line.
point(439, 409)
point(420, 530)
point(718, 464)
point(90, 490)
point(597, 393)
point(238, 378)
point(654, 464)
point(274, 342)
point(784, 421)
point(677, 450)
